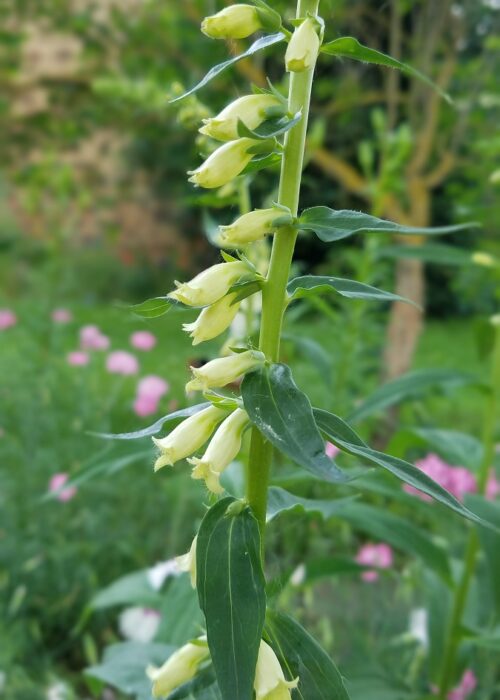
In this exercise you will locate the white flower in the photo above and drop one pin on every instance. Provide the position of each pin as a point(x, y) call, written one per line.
point(158, 573)
point(418, 627)
point(234, 22)
point(270, 683)
point(213, 320)
point(139, 624)
point(224, 164)
point(211, 284)
point(188, 436)
point(251, 109)
point(187, 562)
point(178, 668)
point(303, 48)
point(298, 576)
point(254, 225)
point(58, 691)
point(223, 370)
point(221, 450)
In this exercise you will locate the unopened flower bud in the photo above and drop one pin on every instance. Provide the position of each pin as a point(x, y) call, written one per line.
point(224, 164)
point(222, 449)
point(303, 48)
point(210, 285)
point(270, 683)
point(188, 436)
point(178, 668)
point(187, 562)
point(223, 370)
point(233, 22)
point(213, 320)
point(484, 259)
point(250, 109)
point(255, 225)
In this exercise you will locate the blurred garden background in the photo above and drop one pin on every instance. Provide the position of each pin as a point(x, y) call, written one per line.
point(96, 216)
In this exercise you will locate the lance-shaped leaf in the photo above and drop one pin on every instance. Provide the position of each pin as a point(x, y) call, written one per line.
point(152, 308)
point(258, 45)
point(334, 225)
point(314, 284)
point(348, 47)
point(202, 687)
point(231, 589)
point(170, 421)
point(438, 253)
point(283, 414)
point(300, 655)
point(410, 386)
point(342, 435)
point(282, 501)
point(270, 128)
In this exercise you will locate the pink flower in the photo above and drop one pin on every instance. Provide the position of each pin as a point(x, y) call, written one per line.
point(142, 340)
point(77, 358)
point(122, 362)
point(56, 484)
point(461, 482)
point(145, 405)
point(457, 480)
point(492, 487)
point(7, 319)
point(91, 338)
point(331, 450)
point(62, 316)
point(377, 555)
point(467, 686)
point(152, 386)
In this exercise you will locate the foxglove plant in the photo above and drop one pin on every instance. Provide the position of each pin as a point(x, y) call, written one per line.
point(251, 650)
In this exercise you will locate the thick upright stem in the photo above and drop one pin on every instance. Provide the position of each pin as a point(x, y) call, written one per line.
point(274, 292)
point(455, 633)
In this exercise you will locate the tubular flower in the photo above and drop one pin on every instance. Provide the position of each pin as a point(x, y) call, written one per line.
point(224, 164)
point(223, 370)
point(303, 48)
point(187, 562)
point(234, 22)
point(210, 285)
point(178, 668)
point(254, 225)
point(251, 109)
point(270, 683)
point(213, 320)
point(222, 449)
point(188, 437)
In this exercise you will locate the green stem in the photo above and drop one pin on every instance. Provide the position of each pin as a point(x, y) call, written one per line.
point(274, 291)
point(455, 633)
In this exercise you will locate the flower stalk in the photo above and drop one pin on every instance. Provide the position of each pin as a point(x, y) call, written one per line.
point(274, 289)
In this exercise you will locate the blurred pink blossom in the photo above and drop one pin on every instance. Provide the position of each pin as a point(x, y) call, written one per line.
point(7, 319)
point(145, 405)
point(62, 316)
point(459, 481)
point(77, 358)
point(55, 486)
point(91, 338)
point(377, 555)
point(467, 686)
point(152, 386)
point(492, 487)
point(122, 362)
point(331, 450)
point(142, 340)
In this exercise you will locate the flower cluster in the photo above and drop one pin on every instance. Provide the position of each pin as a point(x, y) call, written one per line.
point(458, 480)
point(380, 556)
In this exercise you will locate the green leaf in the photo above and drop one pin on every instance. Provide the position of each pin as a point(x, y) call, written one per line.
point(300, 655)
point(152, 308)
point(281, 501)
point(348, 47)
point(283, 414)
point(133, 589)
point(270, 128)
point(124, 667)
point(342, 435)
point(314, 284)
point(315, 353)
point(231, 589)
point(410, 386)
point(331, 225)
point(490, 542)
point(257, 164)
point(258, 45)
point(331, 566)
point(456, 448)
point(171, 420)
point(202, 687)
point(438, 253)
point(181, 617)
